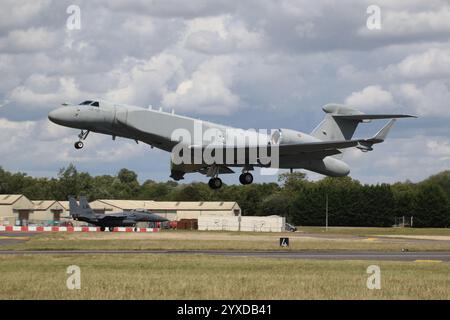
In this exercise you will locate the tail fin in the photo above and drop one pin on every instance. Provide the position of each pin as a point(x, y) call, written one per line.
point(341, 121)
point(83, 209)
point(74, 209)
point(84, 204)
point(333, 128)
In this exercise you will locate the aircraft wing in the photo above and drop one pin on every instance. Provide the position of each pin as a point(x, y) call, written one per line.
point(320, 149)
point(113, 217)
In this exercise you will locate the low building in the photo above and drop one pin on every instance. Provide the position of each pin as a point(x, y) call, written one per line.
point(242, 223)
point(172, 210)
point(47, 212)
point(65, 205)
point(15, 209)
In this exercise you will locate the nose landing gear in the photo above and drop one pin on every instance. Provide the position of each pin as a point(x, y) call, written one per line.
point(82, 136)
point(79, 145)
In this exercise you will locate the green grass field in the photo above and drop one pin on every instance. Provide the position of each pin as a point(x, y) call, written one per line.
point(209, 277)
point(151, 276)
point(314, 239)
point(361, 231)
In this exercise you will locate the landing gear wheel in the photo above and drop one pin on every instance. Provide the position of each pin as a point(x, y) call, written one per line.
point(82, 136)
point(79, 145)
point(111, 229)
point(215, 183)
point(246, 178)
point(102, 228)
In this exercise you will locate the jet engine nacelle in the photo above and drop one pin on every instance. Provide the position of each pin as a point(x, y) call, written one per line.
point(329, 166)
point(288, 136)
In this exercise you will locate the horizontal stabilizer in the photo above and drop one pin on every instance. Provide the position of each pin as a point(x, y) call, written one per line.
point(361, 117)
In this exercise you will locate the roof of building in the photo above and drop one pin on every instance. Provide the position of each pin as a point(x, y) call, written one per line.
point(9, 199)
point(164, 205)
point(65, 204)
point(45, 204)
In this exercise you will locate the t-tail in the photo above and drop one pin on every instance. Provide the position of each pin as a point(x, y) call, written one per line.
point(341, 121)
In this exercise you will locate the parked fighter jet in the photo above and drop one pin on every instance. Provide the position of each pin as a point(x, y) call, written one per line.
point(83, 212)
point(212, 149)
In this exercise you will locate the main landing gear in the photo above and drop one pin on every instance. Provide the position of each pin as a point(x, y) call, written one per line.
point(246, 178)
point(215, 183)
point(82, 136)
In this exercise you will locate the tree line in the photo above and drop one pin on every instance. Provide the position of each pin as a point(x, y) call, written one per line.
point(301, 201)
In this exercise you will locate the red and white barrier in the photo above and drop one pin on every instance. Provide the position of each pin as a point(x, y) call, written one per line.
point(72, 229)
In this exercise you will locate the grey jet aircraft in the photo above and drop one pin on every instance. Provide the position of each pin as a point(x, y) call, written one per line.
point(320, 151)
point(83, 212)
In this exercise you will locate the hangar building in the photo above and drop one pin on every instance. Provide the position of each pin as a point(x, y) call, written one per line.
point(48, 212)
point(15, 209)
point(172, 210)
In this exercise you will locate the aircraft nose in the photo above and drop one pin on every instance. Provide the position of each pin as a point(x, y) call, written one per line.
point(60, 116)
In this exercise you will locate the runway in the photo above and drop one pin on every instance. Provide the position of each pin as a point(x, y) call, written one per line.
point(321, 255)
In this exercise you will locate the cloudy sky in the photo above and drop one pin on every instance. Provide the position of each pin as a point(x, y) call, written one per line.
point(251, 64)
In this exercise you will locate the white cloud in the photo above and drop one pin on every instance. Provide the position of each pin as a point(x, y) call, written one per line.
point(43, 91)
point(219, 35)
point(440, 149)
point(19, 12)
point(140, 25)
point(32, 39)
point(434, 62)
point(45, 145)
point(429, 100)
point(370, 98)
point(398, 159)
point(207, 91)
point(143, 82)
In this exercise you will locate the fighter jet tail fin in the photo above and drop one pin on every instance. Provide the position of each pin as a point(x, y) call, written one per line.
point(84, 204)
point(73, 206)
point(82, 209)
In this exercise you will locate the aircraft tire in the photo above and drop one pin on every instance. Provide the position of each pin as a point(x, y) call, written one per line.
point(246, 178)
point(102, 229)
point(78, 145)
point(215, 183)
point(111, 229)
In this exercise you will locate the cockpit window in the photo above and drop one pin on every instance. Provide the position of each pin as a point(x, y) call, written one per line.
point(85, 103)
point(94, 104)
